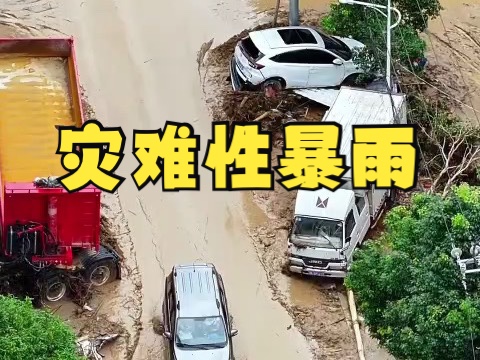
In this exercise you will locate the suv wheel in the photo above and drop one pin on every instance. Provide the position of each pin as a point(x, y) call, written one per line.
point(275, 84)
point(350, 80)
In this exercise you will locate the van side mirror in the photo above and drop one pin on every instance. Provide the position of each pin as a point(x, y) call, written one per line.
point(233, 332)
point(347, 243)
point(337, 61)
point(167, 335)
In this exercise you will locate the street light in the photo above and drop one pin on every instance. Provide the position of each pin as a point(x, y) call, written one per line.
point(389, 9)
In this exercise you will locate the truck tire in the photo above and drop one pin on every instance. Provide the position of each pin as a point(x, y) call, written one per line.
point(53, 288)
point(101, 272)
point(393, 197)
point(100, 268)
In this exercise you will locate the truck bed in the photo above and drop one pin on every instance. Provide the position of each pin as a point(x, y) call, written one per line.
point(38, 90)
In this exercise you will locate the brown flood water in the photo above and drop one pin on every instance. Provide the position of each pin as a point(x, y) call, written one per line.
point(263, 5)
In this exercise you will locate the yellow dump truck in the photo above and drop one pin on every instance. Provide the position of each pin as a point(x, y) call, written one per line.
point(47, 233)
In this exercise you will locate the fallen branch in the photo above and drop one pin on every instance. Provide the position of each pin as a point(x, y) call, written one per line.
point(244, 100)
point(267, 113)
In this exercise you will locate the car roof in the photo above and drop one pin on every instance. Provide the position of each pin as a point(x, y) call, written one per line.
point(289, 37)
point(196, 289)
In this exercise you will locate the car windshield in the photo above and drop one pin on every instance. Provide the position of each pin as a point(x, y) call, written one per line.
point(324, 233)
point(336, 46)
point(201, 332)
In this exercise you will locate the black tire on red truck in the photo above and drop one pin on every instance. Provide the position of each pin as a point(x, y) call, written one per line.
point(100, 268)
point(53, 286)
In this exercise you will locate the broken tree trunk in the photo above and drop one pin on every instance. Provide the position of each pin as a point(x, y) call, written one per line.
point(275, 18)
point(356, 326)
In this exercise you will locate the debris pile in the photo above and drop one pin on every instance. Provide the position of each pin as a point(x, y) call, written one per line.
point(251, 106)
point(107, 234)
point(271, 112)
point(157, 325)
point(47, 182)
point(81, 292)
point(90, 347)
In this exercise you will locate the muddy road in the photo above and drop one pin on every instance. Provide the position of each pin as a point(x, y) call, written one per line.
point(137, 62)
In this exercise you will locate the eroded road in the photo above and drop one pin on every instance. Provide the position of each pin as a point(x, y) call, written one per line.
point(137, 61)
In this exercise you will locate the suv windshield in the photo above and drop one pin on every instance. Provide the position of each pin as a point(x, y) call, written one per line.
point(336, 46)
point(201, 332)
point(317, 232)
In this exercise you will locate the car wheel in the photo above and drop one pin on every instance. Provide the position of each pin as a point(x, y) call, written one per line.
point(350, 80)
point(276, 84)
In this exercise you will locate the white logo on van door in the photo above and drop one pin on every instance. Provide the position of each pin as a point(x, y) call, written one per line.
point(322, 204)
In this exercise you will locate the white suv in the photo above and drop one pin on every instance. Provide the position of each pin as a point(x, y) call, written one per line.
point(197, 322)
point(293, 57)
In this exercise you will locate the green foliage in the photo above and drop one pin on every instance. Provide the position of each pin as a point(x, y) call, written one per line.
point(416, 13)
point(369, 27)
point(409, 288)
point(30, 334)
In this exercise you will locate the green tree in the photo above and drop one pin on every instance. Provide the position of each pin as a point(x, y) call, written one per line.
point(30, 334)
point(368, 26)
point(407, 285)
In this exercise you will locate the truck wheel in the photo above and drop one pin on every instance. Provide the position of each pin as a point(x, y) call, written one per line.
point(101, 272)
point(393, 197)
point(53, 288)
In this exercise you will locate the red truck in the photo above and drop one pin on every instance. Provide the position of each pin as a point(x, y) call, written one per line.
point(47, 234)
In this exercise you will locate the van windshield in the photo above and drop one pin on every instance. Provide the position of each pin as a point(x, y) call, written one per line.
point(201, 332)
point(316, 232)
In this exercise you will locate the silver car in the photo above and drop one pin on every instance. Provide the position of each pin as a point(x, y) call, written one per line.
point(195, 312)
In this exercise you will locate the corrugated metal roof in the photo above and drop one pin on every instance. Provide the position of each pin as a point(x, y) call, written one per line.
point(322, 96)
point(361, 107)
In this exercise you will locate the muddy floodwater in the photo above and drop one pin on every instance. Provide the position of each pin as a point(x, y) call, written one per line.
point(138, 64)
point(320, 5)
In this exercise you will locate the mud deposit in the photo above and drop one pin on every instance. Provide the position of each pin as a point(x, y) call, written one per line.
point(454, 47)
point(118, 305)
point(319, 308)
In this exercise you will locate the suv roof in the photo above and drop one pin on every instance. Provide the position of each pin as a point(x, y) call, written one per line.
point(196, 290)
point(286, 37)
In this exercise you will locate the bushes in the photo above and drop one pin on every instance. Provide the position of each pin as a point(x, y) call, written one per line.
point(409, 288)
point(30, 334)
point(369, 27)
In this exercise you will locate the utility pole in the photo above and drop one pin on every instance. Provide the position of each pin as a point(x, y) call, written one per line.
point(389, 44)
point(462, 263)
point(294, 13)
point(388, 14)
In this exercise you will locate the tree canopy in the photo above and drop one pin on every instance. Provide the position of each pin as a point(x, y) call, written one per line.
point(408, 286)
point(30, 334)
point(369, 26)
